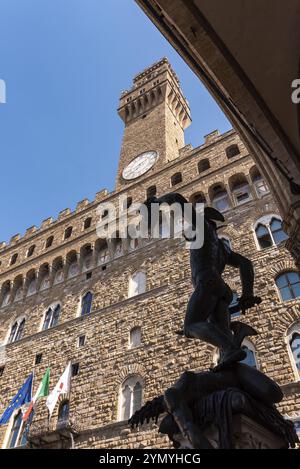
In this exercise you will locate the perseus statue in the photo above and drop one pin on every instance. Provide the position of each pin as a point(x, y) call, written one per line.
point(207, 317)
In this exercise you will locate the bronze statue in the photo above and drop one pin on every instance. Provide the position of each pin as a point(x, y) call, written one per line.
point(207, 317)
point(213, 396)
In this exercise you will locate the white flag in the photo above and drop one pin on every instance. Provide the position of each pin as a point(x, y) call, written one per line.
point(62, 387)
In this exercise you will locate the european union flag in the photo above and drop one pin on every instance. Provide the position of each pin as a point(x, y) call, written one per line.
point(22, 397)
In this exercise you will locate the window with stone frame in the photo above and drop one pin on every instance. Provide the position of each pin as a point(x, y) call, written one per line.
point(219, 198)
point(259, 183)
point(130, 397)
point(52, 317)
point(63, 414)
point(135, 337)
point(49, 242)
point(232, 151)
point(19, 431)
point(203, 165)
point(269, 232)
point(176, 179)
point(86, 304)
point(151, 191)
point(17, 331)
point(6, 295)
point(137, 284)
point(288, 284)
point(14, 258)
point(31, 250)
point(68, 232)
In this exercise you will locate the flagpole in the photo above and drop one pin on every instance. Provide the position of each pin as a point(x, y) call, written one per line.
point(70, 388)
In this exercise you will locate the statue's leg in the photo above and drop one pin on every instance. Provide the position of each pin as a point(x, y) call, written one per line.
point(176, 400)
point(220, 317)
point(202, 305)
point(257, 384)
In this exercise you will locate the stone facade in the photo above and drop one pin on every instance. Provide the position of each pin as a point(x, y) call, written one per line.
point(29, 286)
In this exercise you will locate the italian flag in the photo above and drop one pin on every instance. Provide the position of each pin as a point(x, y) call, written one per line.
point(42, 391)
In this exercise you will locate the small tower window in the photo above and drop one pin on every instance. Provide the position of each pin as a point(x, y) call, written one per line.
point(176, 179)
point(232, 151)
point(31, 250)
point(87, 223)
point(151, 191)
point(203, 165)
point(49, 242)
point(68, 232)
point(14, 258)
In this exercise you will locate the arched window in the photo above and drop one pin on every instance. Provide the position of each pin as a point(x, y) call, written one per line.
point(131, 397)
point(14, 258)
point(118, 248)
point(86, 303)
point(31, 287)
point(19, 431)
point(263, 236)
point(137, 284)
point(63, 414)
point(59, 277)
point(288, 285)
point(198, 198)
point(73, 269)
point(103, 256)
point(45, 283)
point(16, 332)
point(240, 189)
point(232, 151)
point(5, 297)
point(259, 183)
point(87, 223)
point(203, 165)
point(51, 317)
point(219, 198)
point(176, 179)
point(269, 232)
point(277, 232)
point(151, 191)
point(49, 242)
point(135, 337)
point(295, 349)
point(68, 232)
point(86, 255)
point(250, 359)
point(31, 250)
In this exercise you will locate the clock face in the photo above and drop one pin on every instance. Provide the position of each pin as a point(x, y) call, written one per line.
point(140, 165)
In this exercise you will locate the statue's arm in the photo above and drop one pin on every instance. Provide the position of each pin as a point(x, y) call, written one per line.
point(247, 300)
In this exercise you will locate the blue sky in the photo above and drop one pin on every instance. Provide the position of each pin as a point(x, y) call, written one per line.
point(65, 63)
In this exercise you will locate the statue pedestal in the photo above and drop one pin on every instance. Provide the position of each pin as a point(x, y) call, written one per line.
point(247, 434)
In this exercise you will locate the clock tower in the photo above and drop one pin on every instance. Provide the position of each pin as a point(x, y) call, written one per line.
point(155, 114)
